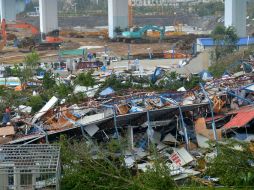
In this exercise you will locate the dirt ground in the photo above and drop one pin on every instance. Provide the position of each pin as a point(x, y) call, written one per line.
point(119, 49)
point(12, 55)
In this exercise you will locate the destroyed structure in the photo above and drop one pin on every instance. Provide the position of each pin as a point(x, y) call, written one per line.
point(179, 123)
point(30, 167)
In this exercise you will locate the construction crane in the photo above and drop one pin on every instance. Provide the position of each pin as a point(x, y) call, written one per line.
point(51, 40)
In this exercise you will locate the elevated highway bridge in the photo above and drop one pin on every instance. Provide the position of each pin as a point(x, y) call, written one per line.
point(235, 14)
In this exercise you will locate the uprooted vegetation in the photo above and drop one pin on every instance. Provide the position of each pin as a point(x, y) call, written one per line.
point(230, 62)
point(233, 164)
point(104, 167)
point(86, 168)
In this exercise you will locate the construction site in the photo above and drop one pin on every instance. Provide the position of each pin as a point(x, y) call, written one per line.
point(127, 100)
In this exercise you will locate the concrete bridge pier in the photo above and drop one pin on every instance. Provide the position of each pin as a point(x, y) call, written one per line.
point(8, 10)
point(48, 15)
point(117, 15)
point(235, 15)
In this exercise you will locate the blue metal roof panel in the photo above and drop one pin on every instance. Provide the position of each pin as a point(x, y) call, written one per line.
point(241, 42)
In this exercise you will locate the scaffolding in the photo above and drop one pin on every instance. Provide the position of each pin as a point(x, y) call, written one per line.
point(29, 167)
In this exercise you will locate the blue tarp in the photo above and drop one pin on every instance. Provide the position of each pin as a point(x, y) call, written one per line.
point(41, 73)
point(157, 73)
point(103, 68)
point(241, 136)
point(135, 109)
point(247, 68)
point(226, 74)
point(107, 91)
point(90, 56)
point(6, 118)
point(205, 75)
point(249, 87)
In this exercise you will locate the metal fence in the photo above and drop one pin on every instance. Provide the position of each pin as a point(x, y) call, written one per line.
point(29, 167)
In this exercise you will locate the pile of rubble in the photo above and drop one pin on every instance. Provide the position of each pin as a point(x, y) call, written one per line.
point(178, 123)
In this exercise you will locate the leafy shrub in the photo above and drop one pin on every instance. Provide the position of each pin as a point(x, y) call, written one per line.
point(83, 170)
point(85, 79)
point(233, 166)
point(36, 103)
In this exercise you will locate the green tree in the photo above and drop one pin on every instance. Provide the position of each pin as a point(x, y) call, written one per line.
point(8, 71)
point(225, 39)
point(76, 98)
point(218, 68)
point(24, 74)
point(170, 81)
point(63, 90)
point(85, 79)
point(233, 164)
point(48, 81)
point(36, 103)
point(108, 171)
point(28, 70)
point(218, 33)
point(192, 82)
point(210, 8)
point(32, 59)
point(15, 70)
point(116, 83)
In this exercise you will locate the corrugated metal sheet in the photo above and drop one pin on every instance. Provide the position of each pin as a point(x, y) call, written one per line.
point(242, 109)
point(240, 120)
point(121, 120)
point(250, 87)
point(217, 117)
point(200, 128)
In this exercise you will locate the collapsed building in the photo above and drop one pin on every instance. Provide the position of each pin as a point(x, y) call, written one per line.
point(178, 123)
